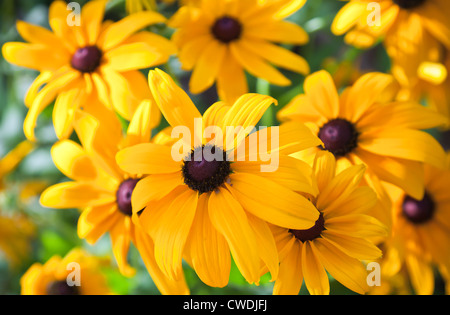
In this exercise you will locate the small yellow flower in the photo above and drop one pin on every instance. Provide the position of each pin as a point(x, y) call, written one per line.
point(203, 210)
point(221, 39)
point(421, 232)
point(103, 191)
point(92, 57)
point(366, 125)
point(340, 239)
point(52, 277)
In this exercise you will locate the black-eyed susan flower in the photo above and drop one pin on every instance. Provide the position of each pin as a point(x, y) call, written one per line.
point(220, 40)
point(366, 125)
point(103, 191)
point(78, 273)
point(339, 240)
point(210, 200)
point(421, 232)
point(94, 57)
point(404, 24)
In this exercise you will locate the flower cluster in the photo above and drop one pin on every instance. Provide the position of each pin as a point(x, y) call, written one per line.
point(308, 186)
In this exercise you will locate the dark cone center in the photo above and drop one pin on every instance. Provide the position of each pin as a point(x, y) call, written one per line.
point(87, 59)
point(61, 288)
point(123, 196)
point(339, 136)
point(418, 211)
point(227, 29)
point(311, 233)
point(408, 4)
point(206, 168)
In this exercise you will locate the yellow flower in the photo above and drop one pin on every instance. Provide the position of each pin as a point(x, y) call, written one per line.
point(104, 191)
point(16, 233)
point(339, 240)
point(404, 24)
point(203, 207)
point(221, 39)
point(94, 57)
point(9, 162)
point(420, 235)
point(365, 125)
point(52, 277)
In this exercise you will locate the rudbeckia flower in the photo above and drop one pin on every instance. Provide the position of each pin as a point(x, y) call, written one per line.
point(420, 234)
point(103, 191)
point(96, 57)
point(339, 240)
point(78, 273)
point(404, 24)
point(202, 207)
point(220, 40)
point(365, 125)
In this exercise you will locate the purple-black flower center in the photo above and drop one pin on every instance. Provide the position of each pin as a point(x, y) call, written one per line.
point(311, 233)
point(339, 136)
point(408, 4)
point(123, 196)
point(227, 29)
point(61, 288)
point(87, 59)
point(418, 211)
point(206, 168)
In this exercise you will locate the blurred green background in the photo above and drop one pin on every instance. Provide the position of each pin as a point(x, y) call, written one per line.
point(55, 230)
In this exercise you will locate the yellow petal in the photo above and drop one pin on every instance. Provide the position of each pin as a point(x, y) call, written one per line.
point(290, 277)
point(316, 278)
point(229, 218)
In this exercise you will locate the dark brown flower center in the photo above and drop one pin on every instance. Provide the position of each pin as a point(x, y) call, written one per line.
point(123, 196)
point(339, 136)
point(227, 29)
point(87, 59)
point(418, 211)
point(408, 4)
point(311, 233)
point(206, 168)
point(62, 288)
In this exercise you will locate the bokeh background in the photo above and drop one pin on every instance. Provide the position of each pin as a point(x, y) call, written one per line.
point(33, 233)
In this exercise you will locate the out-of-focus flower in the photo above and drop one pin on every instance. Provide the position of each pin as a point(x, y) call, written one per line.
point(59, 276)
point(340, 239)
point(92, 57)
point(9, 162)
point(420, 234)
point(221, 39)
point(103, 191)
point(203, 207)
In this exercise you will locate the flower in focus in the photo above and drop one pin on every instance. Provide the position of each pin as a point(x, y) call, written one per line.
point(201, 207)
point(52, 277)
point(421, 232)
point(104, 191)
point(364, 125)
point(221, 39)
point(340, 239)
point(94, 57)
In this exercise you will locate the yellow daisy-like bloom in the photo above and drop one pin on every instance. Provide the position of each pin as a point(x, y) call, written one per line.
point(421, 232)
point(93, 56)
point(52, 277)
point(221, 39)
point(403, 23)
point(201, 207)
point(339, 240)
point(104, 191)
point(365, 125)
